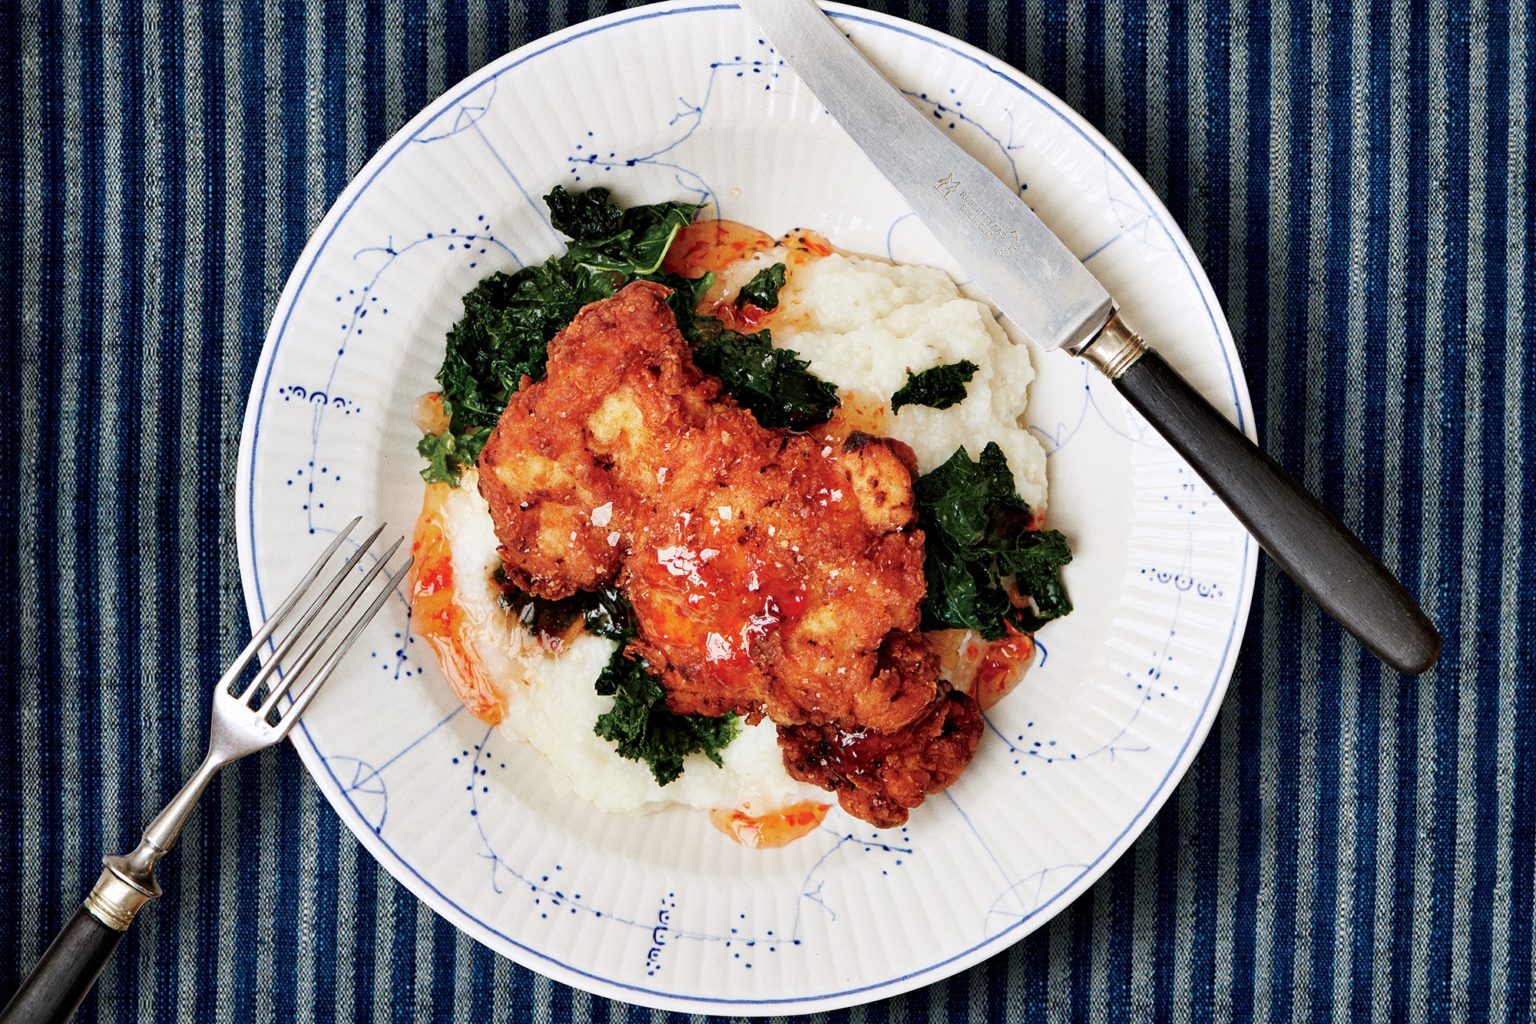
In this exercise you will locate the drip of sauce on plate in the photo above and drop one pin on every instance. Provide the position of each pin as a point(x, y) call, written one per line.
point(709, 246)
point(771, 830)
point(987, 670)
point(439, 620)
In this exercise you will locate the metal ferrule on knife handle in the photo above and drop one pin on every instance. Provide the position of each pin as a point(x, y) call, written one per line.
point(1115, 349)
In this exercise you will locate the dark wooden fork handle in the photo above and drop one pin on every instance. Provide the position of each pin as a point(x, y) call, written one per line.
point(65, 974)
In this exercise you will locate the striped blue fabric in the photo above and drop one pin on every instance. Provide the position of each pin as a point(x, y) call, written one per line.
point(1349, 845)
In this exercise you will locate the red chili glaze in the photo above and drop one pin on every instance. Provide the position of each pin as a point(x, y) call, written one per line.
point(858, 412)
point(708, 593)
point(988, 671)
point(432, 581)
point(431, 416)
point(804, 244)
point(1002, 666)
point(432, 578)
point(437, 617)
point(709, 246)
point(745, 318)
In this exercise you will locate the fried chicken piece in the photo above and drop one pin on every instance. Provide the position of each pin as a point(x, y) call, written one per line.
point(879, 777)
point(770, 573)
point(568, 462)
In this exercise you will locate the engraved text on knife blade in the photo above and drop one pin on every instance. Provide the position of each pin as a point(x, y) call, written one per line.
point(1005, 242)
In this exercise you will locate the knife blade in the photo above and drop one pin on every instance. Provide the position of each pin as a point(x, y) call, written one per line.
point(1039, 285)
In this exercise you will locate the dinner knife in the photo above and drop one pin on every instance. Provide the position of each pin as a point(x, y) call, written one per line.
point(1055, 301)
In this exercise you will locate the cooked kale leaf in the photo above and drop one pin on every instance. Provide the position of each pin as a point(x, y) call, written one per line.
point(637, 248)
point(763, 290)
point(448, 453)
point(1034, 559)
point(509, 319)
point(639, 724)
point(980, 550)
point(938, 388)
point(774, 383)
point(687, 293)
point(584, 216)
point(642, 729)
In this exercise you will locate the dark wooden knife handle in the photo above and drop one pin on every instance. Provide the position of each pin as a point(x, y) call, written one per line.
point(1303, 537)
point(65, 974)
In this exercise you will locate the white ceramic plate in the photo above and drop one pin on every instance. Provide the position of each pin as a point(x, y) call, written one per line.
point(683, 100)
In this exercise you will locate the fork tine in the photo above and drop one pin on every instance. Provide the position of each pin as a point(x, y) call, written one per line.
point(238, 665)
point(310, 613)
point(307, 694)
point(308, 654)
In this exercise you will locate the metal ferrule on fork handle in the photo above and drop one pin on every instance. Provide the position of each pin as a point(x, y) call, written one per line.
point(128, 882)
point(118, 895)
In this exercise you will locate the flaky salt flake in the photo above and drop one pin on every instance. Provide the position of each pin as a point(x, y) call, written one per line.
point(678, 561)
point(716, 648)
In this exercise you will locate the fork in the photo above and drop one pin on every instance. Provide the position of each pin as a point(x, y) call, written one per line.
point(246, 718)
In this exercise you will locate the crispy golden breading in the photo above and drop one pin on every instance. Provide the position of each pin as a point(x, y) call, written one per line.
point(770, 573)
